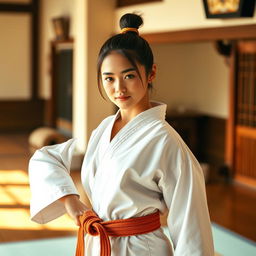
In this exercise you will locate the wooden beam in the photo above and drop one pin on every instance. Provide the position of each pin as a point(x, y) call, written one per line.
point(5, 7)
point(203, 34)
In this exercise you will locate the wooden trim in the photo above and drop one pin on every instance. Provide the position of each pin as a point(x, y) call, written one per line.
point(230, 128)
point(247, 46)
point(246, 181)
point(35, 49)
point(4, 7)
point(21, 115)
point(121, 3)
point(245, 130)
point(203, 34)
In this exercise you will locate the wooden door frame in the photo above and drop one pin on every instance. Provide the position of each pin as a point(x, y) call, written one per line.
point(51, 106)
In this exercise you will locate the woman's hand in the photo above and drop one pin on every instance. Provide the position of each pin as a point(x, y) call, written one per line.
point(74, 207)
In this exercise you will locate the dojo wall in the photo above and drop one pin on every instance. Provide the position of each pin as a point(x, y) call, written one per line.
point(192, 76)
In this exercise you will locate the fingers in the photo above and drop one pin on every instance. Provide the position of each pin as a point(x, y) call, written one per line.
point(77, 221)
point(75, 208)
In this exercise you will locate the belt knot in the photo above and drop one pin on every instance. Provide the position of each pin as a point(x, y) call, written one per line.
point(91, 223)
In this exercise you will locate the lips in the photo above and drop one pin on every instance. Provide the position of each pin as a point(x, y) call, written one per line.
point(122, 98)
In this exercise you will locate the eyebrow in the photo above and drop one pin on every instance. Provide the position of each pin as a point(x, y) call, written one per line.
point(122, 72)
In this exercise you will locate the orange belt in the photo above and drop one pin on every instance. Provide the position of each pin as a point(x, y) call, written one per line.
point(93, 225)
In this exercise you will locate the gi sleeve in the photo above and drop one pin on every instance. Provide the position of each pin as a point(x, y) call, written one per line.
point(184, 193)
point(49, 177)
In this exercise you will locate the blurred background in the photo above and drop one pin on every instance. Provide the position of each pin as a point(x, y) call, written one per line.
point(205, 53)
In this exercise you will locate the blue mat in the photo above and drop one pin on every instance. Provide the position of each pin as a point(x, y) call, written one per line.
point(44, 247)
point(226, 243)
point(229, 243)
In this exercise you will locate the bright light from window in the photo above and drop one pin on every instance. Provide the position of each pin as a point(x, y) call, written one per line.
point(13, 177)
point(14, 205)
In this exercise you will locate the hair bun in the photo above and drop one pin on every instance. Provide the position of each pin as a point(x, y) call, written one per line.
point(130, 20)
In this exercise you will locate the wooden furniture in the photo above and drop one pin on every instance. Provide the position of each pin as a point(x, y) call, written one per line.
point(204, 135)
point(186, 124)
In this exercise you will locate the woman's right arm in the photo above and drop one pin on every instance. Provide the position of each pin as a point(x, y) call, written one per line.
point(50, 180)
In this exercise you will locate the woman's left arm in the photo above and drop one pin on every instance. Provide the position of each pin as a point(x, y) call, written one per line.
point(183, 189)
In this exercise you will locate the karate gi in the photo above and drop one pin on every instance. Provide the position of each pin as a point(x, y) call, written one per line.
point(145, 167)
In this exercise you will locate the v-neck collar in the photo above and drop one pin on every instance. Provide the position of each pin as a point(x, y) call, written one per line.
point(157, 112)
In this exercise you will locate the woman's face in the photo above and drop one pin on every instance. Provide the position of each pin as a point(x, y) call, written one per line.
point(123, 84)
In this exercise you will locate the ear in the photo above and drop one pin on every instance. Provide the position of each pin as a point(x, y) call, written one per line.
point(152, 74)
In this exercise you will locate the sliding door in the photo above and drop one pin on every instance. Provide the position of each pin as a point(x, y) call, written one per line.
point(245, 113)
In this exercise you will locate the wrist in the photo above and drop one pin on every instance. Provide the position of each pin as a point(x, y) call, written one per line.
point(66, 198)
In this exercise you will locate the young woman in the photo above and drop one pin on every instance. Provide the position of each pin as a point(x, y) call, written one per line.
point(135, 166)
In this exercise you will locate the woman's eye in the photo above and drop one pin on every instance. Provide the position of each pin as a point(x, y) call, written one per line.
point(108, 79)
point(130, 76)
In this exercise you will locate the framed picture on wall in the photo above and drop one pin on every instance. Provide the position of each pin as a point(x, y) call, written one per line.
point(229, 8)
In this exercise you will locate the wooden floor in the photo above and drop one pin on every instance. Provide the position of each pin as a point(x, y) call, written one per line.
point(231, 205)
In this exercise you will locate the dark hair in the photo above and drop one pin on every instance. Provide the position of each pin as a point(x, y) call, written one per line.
point(130, 45)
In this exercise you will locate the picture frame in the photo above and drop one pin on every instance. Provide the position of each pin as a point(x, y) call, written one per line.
point(229, 8)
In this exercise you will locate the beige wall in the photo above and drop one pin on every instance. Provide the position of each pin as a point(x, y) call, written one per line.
point(177, 15)
point(191, 76)
point(100, 27)
point(15, 64)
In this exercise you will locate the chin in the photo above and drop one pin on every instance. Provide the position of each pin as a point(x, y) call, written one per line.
point(124, 105)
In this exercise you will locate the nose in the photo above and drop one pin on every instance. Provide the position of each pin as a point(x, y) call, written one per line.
point(120, 86)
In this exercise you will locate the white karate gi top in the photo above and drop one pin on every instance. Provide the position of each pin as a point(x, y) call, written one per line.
point(145, 167)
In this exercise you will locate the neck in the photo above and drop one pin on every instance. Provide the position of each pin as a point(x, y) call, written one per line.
point(128, 114)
